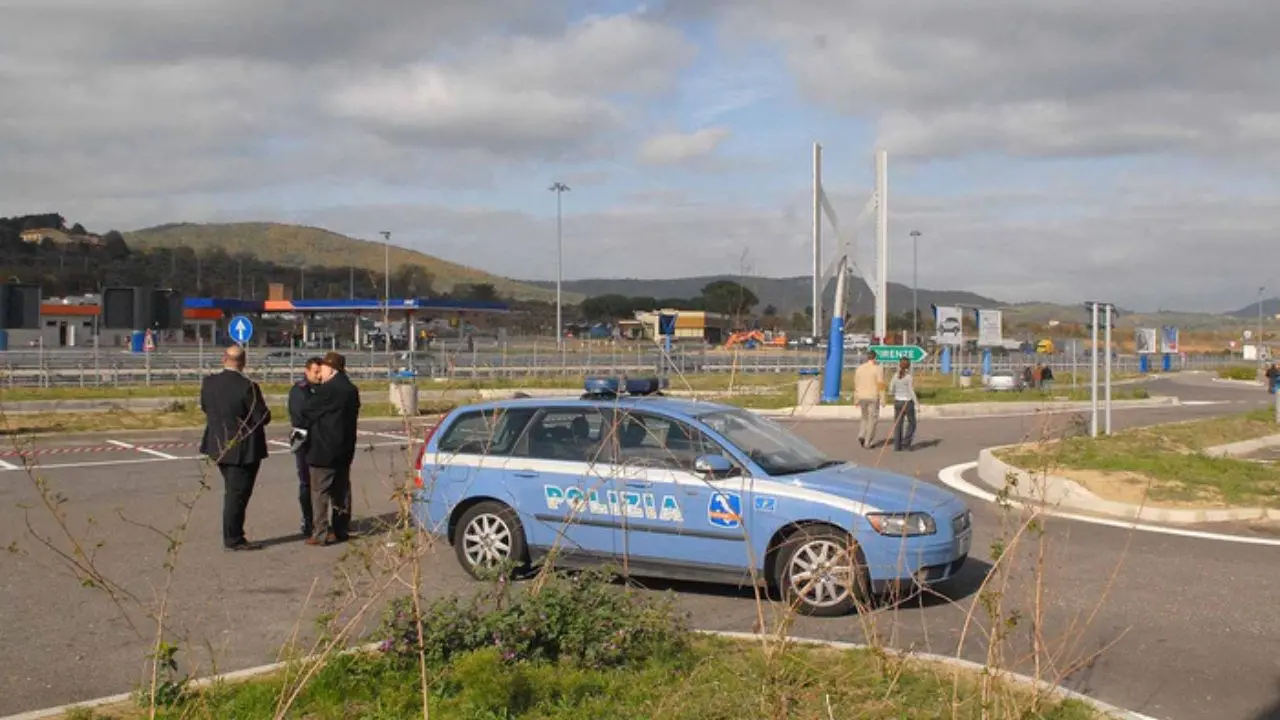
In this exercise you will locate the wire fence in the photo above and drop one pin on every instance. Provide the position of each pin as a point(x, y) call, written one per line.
point(110, 367)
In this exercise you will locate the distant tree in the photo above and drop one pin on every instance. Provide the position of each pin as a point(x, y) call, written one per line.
point(476, 292)
point(729, 298)
point(799, 321)
point(604, 308)
point(114, 244)
point(78, 229)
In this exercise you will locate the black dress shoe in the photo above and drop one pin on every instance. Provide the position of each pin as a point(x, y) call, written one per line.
point(243, 545)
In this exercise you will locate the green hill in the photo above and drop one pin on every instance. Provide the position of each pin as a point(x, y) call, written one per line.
point(298, 245)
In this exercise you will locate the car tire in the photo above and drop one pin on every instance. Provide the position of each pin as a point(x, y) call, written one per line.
point(489, 533)
point(828, 549)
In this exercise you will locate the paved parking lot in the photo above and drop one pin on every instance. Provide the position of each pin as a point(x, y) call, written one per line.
point(1186, 628)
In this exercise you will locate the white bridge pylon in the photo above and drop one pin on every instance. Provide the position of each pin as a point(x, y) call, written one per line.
point(845, 259)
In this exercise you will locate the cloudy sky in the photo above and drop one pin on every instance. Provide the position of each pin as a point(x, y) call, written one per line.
point(1058, 150)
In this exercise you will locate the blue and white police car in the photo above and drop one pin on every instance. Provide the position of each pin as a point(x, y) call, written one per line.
point(682, 489)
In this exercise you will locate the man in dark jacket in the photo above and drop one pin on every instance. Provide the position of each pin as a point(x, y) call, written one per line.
point(235, 438)
point(330, 418)
point(298, 396)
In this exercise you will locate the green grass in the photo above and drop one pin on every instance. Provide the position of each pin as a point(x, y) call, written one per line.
point(714, 679)
point(1172, 457)
point(1238, 372)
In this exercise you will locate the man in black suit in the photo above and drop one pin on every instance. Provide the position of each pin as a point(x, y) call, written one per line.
point(299, 394)
point(330, 418)
point(235, 438)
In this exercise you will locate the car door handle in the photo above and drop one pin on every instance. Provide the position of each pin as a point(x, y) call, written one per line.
point(525, 473)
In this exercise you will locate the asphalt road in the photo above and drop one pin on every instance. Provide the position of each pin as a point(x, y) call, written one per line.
point(1185, 628)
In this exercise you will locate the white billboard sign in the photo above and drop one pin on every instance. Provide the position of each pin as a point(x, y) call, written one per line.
point(990, 331)
point(1144, 341)
point(950, 326)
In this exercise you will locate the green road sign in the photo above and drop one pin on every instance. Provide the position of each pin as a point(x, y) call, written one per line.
point(894, 353)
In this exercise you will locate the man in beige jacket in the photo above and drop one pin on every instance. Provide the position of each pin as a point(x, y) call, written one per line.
point(868, 387)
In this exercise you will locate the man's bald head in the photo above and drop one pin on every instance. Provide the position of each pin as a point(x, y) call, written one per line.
point(233, 357)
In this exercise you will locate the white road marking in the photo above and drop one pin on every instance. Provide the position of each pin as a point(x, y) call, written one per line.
point(390, 436)
point(163, 457)
point(149, 451)
point(1192, 403)
point(6, 465)
point(953, 477)
point(279, 443)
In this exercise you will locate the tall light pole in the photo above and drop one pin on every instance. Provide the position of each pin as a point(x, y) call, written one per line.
point(559, 188)
point(386, 296)
point(915, 286)
point(1258, 343)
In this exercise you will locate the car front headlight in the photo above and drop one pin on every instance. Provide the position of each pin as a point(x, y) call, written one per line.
point(903, 524)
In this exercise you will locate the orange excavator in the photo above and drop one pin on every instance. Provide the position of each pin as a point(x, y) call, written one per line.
point(752, 339)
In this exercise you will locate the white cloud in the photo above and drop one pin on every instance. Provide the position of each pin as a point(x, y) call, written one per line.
point(1034, 79)
point(195, 96)
point(676, 148)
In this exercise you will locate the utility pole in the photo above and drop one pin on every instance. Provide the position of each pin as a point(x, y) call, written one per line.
point(559, 188)
point(915, 286)
point(386, 296)
point(1258, 343)
point(1093, 371)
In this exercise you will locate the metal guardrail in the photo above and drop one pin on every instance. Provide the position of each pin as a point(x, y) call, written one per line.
point(112, 368)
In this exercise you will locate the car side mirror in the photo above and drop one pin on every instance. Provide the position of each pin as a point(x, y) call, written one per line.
point(713, 465)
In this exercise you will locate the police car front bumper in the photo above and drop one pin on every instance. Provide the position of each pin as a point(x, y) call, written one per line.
point(920, 566)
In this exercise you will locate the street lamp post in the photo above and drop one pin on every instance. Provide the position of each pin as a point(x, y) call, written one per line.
point(1258, 343)
point(559, 188)
point(386, 293)
point(915, 286)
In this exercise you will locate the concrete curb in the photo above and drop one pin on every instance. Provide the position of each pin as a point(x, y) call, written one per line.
point(1060, 491)
point(965, 410)
point(1117, 713)
point(1244, 447)
point(1233, 381)
point(944, 660)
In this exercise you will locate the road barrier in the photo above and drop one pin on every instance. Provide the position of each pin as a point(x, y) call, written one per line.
point(72, 367)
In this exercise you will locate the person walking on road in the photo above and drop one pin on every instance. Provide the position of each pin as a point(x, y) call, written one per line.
point(330, 418)
point(868, 388)
point(235, 438)
point(902, 387)
point(299, 394)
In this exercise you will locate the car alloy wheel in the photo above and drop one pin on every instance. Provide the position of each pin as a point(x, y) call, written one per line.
point(821, 573)
point(486, 540)
point(489, 535)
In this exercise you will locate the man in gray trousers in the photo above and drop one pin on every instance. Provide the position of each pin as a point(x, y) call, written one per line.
point(330, 417)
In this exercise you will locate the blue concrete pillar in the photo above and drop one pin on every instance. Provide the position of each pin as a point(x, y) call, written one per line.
point(831, 376)
point(138, 341)
point(1167, 363)
point(1144, 364)
point(944, 362)
point(986, 362)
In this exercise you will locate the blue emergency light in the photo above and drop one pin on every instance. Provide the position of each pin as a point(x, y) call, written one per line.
point(611, 386)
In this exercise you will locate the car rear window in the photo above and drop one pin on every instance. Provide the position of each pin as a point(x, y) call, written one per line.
point(484, 432)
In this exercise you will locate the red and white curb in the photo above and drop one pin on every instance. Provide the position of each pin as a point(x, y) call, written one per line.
point(945, 660)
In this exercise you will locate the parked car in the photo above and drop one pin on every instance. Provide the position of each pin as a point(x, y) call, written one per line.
point(1004, 380)
point(682, 489)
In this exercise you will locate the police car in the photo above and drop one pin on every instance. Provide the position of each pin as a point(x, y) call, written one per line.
point(682, 489)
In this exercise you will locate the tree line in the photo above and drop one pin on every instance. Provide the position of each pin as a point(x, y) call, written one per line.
point(85, 264)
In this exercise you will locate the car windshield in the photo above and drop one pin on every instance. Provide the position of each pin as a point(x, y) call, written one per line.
point(772, 447)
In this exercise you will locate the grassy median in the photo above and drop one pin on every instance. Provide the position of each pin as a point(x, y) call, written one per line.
point(581, 647)
point(1166, 463)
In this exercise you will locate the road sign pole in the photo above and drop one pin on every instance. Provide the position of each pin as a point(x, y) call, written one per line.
point(1093, 373)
